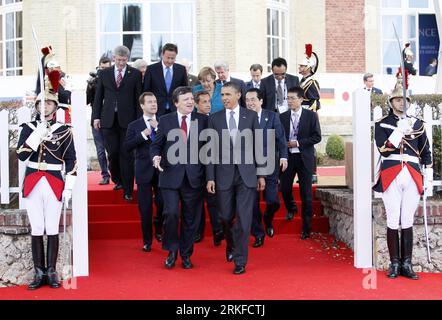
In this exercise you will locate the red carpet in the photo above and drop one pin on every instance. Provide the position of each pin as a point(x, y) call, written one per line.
point(285, 268)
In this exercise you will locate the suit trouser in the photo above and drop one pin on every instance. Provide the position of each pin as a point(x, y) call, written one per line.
point(212, 207)
point(401, 200)
point(191, 202)
point(145, 206)
point(121, 162)
point(236, 211)
point(271, 198)
point(101, 152)
point(296, 166)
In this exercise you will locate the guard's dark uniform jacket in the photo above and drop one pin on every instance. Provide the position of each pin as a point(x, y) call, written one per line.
point(311, 93)
point(413, 151)
point(50, 159)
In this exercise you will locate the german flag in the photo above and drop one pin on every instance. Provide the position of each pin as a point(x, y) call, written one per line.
point(328, 97)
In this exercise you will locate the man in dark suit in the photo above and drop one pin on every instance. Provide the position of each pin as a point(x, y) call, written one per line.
point(275, 87)
point(256, 74)
point(164, 77)
point(302, 132)
point(232, 174)
point(223, 70)
point(140, 135)
point(115, 106)
point(181, 177)
point(268, 121)
point(369, 84)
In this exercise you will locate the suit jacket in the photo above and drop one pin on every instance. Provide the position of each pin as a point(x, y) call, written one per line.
point(270, 120)
point(144, 170)
point(125, 99)
point(223, 174)
point(249, 85)
point(309, 134)
point(154, 82)
point(268, 89)
point(243, 89)
point(377, 91)
point(173, 174)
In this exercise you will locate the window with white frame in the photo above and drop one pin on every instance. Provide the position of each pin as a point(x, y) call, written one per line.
point(145, 26)
point(11, 38)
point(277, 28)
point(404, 15)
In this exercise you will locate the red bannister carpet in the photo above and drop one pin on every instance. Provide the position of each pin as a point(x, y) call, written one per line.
point(285, 268)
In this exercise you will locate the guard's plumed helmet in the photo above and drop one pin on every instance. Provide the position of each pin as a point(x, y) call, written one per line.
point(311, 59)
point(398, 91)
point(52, 82)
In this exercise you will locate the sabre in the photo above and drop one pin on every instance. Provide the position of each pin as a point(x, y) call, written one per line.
point(41, 76)
point(65, 238)
point(424, 200)
point(404, 89)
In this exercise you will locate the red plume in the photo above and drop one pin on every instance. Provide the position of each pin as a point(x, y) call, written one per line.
point(308, 50)
point(406, 79)
point(399, 72)
point(54, 78)
point(407, 45)
point(45, 51)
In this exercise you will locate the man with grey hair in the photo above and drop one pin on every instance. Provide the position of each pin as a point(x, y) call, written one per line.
point(369, 84)
point(223, 71)
point(191, 79)
point(115, 106)
point(141, 65)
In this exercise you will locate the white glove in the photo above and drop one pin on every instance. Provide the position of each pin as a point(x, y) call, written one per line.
point(405, 126)
point(42, 130)
point(428, 175)
point(66, 196)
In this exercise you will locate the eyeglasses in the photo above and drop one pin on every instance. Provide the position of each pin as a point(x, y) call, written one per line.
point(279, 74)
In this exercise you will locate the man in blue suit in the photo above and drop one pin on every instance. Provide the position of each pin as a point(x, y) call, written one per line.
point(181, 175)
point(268, 120)
point(140, 135)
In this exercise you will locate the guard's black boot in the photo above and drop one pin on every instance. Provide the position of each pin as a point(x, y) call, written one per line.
point(407, 253)
point(52, 261)
point(393, 249)
point(38, 256)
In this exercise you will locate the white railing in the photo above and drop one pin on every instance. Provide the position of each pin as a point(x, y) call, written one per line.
point(79, 194)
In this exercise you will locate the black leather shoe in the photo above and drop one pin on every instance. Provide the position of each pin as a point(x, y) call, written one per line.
point(229, 255)
point(407, 254)
point(171, 259)
point(186, 263)
point(315, 179)
point(259, 242)
point(289, 216)
point(158, 237)
point(147, 248)
point(305, 235)
point(198, 238)
point(118, 186)
point(239, 270)
point(128, 198)
point(40, 279)
point(105, 181)
point(270, 232)
point(53, 278)
point(218, 238)
point(407, 270)
point(394, 270)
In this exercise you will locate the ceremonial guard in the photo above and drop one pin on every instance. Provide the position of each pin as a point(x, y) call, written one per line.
point(408, 55)
point(310, 85)
point(405, 154)
point(49, 148)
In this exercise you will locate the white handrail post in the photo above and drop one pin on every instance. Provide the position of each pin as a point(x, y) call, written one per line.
point(23, 116)
point(362, 206)
point(4, 157)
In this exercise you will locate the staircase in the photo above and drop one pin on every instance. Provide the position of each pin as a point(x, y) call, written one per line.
point(110, 217)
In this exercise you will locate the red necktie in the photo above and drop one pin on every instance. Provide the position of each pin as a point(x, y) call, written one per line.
point(184, 127)
point(119, 77)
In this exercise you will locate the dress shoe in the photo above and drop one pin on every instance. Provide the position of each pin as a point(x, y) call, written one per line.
point(239, 269)
point(218, 238)
point(118, 186)
point(40, 279)
point(147, 248)
point(259, 242)
point(314, 179)
point(128, 198)
point(198, 238)
point(171, 259)
point(270, 232)
point(305, 235)
point(186, 263)
point(229, 255)
point(289, 216)
point(158, 237)
point(105, 181)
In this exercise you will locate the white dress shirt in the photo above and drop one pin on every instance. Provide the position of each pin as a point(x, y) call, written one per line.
point(123, 72)
point(188, 121)
point(165, 70)
point(299, 113)
point(146, 120)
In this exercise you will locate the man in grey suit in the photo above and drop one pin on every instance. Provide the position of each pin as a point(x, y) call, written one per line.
point(234, 180)
point(274, 88)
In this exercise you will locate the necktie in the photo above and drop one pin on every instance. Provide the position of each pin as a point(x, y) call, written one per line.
point(184, 127)
point(152, 131)
point(168, 79)
point(279, 94)
point(119, 77)
point(232, 126)
point(295, 124)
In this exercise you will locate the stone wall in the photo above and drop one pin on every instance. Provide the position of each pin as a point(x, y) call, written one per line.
point(338, 207)
point(16, 266)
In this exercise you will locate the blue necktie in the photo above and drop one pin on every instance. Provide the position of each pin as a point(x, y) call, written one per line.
point(152, 131)
point(168, 80)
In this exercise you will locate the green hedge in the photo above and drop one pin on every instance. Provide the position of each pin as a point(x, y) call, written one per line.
point(335, 147)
